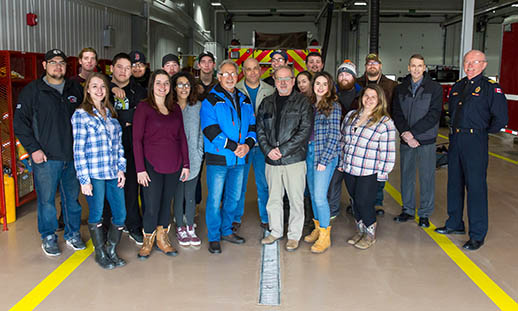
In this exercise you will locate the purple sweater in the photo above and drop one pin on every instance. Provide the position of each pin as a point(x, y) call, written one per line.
point(160, 139)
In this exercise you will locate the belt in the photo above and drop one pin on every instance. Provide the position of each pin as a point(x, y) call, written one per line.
point(466, 131)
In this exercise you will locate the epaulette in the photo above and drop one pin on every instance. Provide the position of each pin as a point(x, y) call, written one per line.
point(491, 81)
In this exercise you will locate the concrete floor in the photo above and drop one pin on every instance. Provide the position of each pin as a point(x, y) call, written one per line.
point(404, 270)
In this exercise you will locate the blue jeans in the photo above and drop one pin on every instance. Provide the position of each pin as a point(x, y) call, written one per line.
point(230, 178)
point(318, 183)
point(47, 177)
point(106, 189)
point(255, 157)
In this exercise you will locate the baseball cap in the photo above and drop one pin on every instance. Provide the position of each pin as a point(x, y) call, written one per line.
point(206, 53)
point(137, 57)
point(348, 67)
point(53, 53)
point(170, 58)
point(281, 53)
point(374, 57)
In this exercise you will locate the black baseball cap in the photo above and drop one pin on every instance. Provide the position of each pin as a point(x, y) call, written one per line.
point(137, 57)
point(53, 53)
point(206, 53)
point(170, 58)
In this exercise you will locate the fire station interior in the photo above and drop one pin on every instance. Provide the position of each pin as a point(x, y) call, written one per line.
point(408, 268)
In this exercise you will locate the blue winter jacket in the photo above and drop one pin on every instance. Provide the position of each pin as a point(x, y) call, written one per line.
point(226, 125)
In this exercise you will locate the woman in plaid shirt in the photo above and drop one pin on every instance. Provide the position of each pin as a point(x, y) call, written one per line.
point(368, 156)
point(100, 165)
point(322, 157)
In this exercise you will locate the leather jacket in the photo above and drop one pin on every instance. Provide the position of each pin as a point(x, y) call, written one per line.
point(296, 124)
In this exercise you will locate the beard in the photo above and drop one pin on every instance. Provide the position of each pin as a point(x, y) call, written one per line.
point(345, 85)
point(58, 76)
point(373, 74)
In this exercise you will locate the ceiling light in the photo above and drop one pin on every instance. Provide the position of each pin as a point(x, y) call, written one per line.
point(360, 3)
point(215, 3)
point(515, 5)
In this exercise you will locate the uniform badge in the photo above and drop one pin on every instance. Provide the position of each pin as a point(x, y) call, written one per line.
point(477, 89)
point(498, 90)
point(72, 99)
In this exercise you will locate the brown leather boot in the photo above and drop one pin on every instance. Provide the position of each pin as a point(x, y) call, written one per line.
point(360, 231)
point(147, 245)
point(163, 243)
point(369, 238)
point(313, 236)
point(323, 242)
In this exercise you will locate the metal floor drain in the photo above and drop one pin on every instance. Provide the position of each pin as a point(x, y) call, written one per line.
point(270, 283)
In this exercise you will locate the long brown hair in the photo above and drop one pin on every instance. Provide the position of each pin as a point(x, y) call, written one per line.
point(88, 103)
point(379, 111)
point(193, 95)
point(169, 103)
point(325, 105)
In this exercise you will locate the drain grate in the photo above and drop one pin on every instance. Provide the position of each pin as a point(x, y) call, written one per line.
point(270, 283)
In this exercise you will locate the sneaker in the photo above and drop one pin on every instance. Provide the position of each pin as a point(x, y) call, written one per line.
point(136, 236)
point(182, 236)
point(76, 242)
point(50, 245)
point(194, 239)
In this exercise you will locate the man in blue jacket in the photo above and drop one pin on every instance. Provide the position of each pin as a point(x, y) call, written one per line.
point(228, 124)
point(416, 110)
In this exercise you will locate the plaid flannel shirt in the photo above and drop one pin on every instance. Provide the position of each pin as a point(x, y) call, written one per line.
point(98, 151)
point(368, 150)
point(327, 135)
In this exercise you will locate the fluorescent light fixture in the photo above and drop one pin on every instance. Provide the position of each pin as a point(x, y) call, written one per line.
point(515, 5)
point(215, 3)
point(360, 3)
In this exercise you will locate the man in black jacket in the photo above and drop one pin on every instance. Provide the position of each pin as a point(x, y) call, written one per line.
point(126, 95)
point(416, 112)
point(139, 69)
point(42, 124)
point(284, 124)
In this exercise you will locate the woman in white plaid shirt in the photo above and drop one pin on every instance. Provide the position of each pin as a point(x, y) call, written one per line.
point(368, 156)
point(100, 165)
point(322, 156)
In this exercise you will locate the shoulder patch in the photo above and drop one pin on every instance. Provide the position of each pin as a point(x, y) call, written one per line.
point(213, 99)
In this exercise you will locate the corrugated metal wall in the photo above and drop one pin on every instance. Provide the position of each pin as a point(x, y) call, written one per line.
point(65, 24)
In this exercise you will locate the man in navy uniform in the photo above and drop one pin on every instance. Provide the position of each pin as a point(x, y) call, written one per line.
point(478, 107)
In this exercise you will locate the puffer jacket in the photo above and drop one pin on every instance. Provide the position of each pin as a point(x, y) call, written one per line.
point(226, 124)
point(296, 124)
point(418, 114)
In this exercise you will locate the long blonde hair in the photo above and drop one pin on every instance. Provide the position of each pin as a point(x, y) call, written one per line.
point(381, 109)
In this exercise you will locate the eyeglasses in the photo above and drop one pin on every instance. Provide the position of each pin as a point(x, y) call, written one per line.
point(228, 74)
point(285, 79)
point(372, 63)
point(138, 65)
point(475, 62)
point(183, 85)
point(54, 63)
point(277, 60)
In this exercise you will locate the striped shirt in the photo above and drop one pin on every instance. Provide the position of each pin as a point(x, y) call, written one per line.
point(368, 150)
point(98, 151)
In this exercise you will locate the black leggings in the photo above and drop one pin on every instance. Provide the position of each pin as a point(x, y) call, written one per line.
point(362, 190)
point(185, 192)
point(158, 195)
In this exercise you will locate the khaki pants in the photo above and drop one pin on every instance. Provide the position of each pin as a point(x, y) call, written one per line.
point(292, 179)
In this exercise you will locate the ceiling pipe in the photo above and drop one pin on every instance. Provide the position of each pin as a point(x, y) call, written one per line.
point(458, 19)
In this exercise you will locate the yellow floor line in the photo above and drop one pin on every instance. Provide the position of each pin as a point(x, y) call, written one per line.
point(490, 153)
point(488, 286)
point(42, 290)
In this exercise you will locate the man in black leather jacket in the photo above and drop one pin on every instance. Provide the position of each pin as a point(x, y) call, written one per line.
point(284, 125)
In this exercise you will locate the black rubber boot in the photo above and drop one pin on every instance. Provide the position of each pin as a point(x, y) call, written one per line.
point(97, 235)
point(114, 237)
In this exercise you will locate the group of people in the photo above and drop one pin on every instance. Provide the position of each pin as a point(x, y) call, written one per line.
point(138, 142)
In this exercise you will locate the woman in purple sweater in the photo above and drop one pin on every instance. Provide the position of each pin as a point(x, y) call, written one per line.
point(161, 159)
